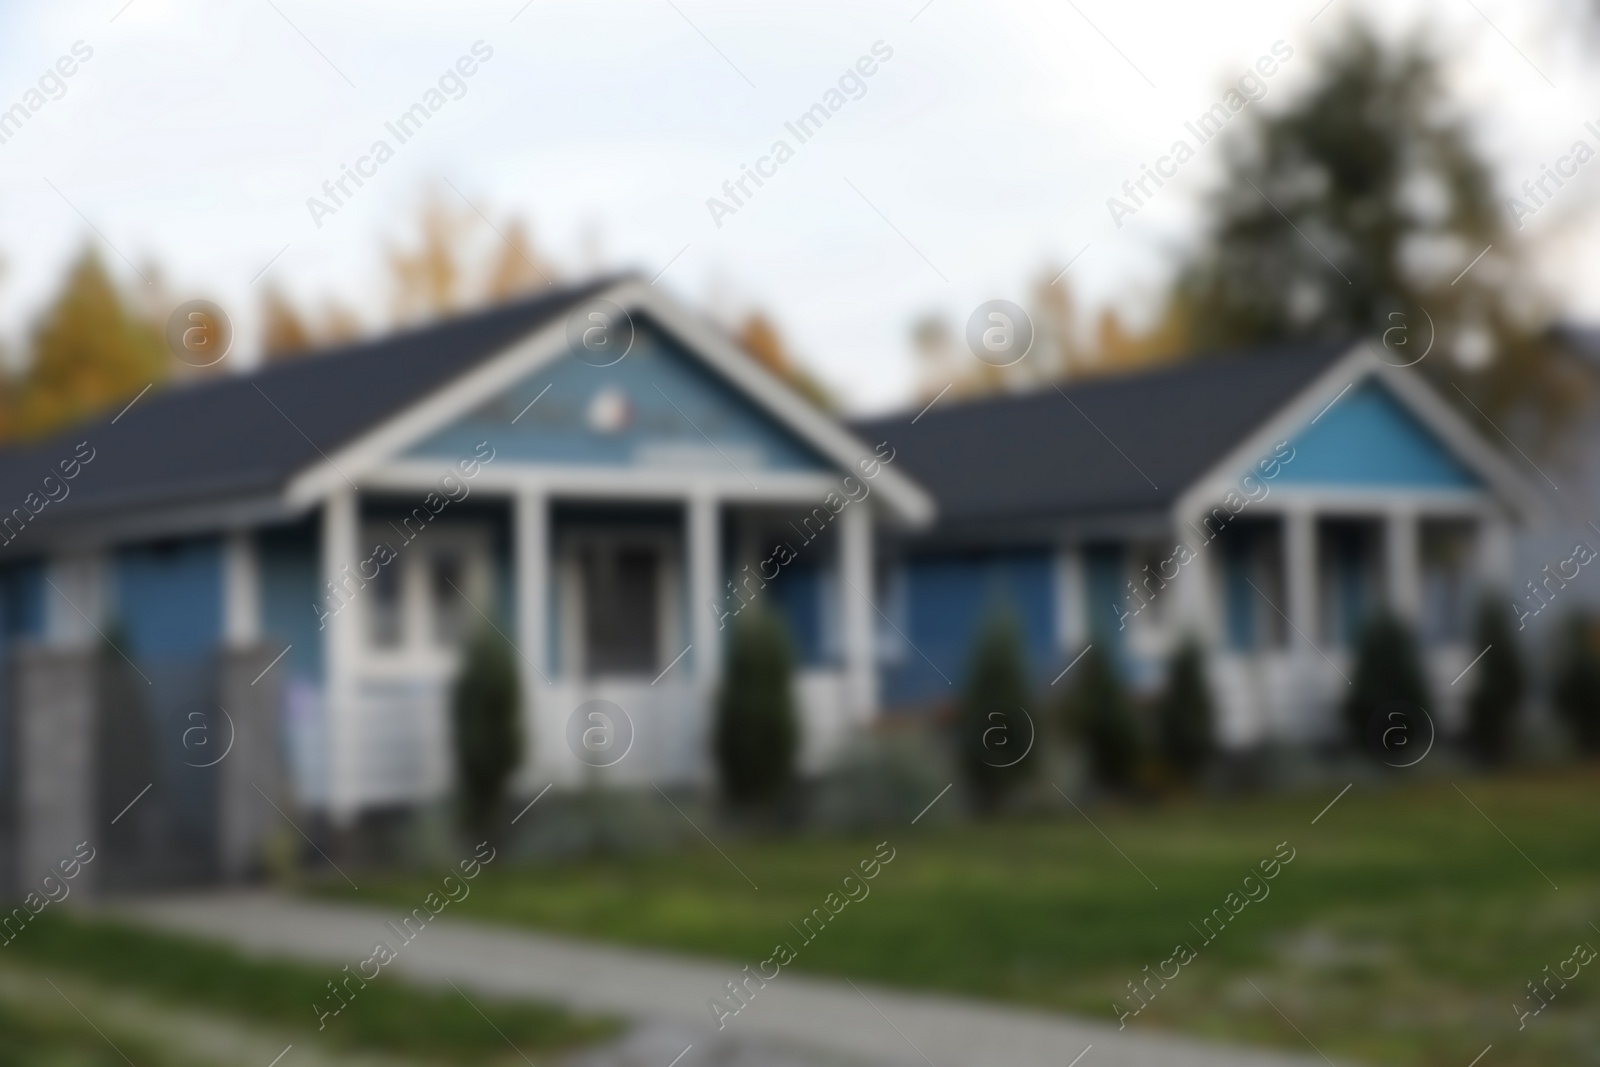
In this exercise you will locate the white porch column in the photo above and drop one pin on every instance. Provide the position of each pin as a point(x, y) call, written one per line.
point(80, 600)
point(531, 534)
point(1072, 622)
point(855, 569)
point(1402, 549)
point(241, 591)
point(1496, 555)
point(341, 600)
point(705, 559)
point(1300, 560)
point(1195, 604)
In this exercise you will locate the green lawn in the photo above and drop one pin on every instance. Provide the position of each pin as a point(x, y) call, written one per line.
point(385, 1017)
point(1402, 932)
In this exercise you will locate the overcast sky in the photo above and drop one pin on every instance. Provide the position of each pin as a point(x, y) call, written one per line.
point(981, 150)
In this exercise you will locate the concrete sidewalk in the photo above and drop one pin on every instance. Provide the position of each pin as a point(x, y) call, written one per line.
point(816, 1020)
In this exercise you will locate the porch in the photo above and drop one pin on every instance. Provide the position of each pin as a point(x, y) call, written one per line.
point(1284, 591)
point(612, 586)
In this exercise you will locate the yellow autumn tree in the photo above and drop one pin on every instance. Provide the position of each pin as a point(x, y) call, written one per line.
point(284, 330)
point(91, 352)
point(760, 338)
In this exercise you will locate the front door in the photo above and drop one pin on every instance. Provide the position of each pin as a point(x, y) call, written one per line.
point(621, 598)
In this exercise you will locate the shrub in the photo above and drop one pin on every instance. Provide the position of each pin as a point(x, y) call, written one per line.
point(885, 779)
point(485, 707)
point(1577, 682)
point(1388, 670)
point(757, 733)
point(1184, 715)
point(1496, 696)
point(1099, 710)
point(994, 730)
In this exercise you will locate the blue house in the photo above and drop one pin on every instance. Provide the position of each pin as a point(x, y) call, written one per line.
point(1264, 504)
point(607, 480)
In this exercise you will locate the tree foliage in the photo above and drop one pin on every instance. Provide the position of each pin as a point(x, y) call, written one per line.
point(486, 709)
point(91, 352)
point(1388, 676)
point(1497, 693)
point(757, 732)
point(1577, 682)
point(1099, 711)
point(1185, 718)
point(1352, 211)
point(994, 730)
point(759, 337)
point(457, 259)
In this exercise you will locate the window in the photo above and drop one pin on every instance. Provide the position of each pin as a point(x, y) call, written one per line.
point(1447, 550)
point(384, 618)
point(417, 610)
point(1349, 560)
point(620, 594)
point(451, 613)
point(1252, 575)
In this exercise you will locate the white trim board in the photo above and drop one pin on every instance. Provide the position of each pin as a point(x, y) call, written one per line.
point(653, 483)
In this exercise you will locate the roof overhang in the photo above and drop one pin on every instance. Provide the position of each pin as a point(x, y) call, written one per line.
point(1513, 492)
point(904, 499)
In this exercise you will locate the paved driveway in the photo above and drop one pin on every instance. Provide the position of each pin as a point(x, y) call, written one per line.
point(793, 1020)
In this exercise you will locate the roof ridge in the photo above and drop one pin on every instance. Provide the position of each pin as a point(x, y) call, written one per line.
point(1198, 362)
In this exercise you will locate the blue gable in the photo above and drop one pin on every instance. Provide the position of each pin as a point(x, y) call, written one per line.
point(656, 407)
point(1368, 438)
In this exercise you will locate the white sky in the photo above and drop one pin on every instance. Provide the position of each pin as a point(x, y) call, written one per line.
point(990, 141)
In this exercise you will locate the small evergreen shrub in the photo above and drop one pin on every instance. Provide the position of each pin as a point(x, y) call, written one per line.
point(1388, 672)
point(487, 734)
point(884, 780)
point(757, 732)
point(1185, 719)
point(995, 732)
point(1577, 682)
point(1497, 691)
point(1100, 713)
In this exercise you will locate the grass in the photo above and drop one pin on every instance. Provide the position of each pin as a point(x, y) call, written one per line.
point(1402, 932)
point(28, 1039)
point(385, 1016)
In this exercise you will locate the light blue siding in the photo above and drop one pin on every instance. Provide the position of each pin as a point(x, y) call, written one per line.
point(168, 621)
point(169, 598)
point(1368, 438)
point(21, 619)
point(1106, 596)
point(675, 404)
point(290, 589)
point(948, 597)
point(797, 593)
point(22, 591)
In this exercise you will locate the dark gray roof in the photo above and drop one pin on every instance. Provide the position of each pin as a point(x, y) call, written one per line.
point(238, 436)
point(1104, 446)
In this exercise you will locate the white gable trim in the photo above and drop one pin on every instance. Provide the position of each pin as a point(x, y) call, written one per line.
point(363, 456)
point(1510, 488)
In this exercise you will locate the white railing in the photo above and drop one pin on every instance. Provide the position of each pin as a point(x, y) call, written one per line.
point(398, 733)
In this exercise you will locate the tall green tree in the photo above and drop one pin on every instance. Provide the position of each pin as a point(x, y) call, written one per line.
point(995, 731)
point(1388, 677)
point(1577, 682)
point(1185, 718)
point(1352, 210)
point(488, 736)
point(1497, 691)
point(1099, 711)
point(756, 736)
point(92, 351)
